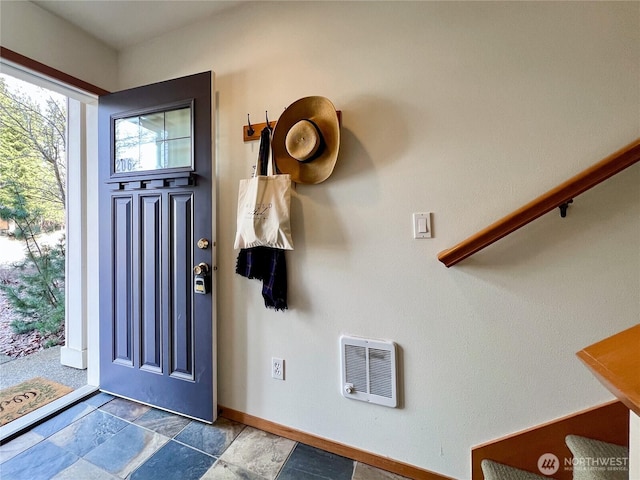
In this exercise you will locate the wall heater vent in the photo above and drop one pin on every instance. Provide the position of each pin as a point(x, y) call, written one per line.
point(369, 370)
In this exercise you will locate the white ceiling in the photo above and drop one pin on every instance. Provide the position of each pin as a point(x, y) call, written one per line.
point(120, 24)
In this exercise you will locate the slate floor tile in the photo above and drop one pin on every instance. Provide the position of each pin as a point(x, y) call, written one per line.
point(40, 462)
point(18, 445)
point(63, 419)
point(126, 450)
point(291, 474)
point(164, 423)
point(225, 471)
point(259, 452)
point(85, 443)
point(125, 409)
point(311, 463)
point(87, 433)
point(83, 470)
point(367, 472)
point(212, 439)
point(174, 460)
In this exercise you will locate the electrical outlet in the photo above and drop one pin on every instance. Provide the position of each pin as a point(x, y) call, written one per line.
point(277, 368)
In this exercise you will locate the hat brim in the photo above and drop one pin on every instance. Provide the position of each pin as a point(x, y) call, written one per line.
point(322, 112)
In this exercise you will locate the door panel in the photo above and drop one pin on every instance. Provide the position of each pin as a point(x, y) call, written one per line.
point(122, 301)
point(151, 307)
point(181, 262)
point(156, 333)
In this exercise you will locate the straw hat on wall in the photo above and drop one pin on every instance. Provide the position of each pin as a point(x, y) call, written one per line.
point(306, 140)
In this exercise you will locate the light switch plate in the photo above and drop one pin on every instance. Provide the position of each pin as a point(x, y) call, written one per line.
point(422, 225)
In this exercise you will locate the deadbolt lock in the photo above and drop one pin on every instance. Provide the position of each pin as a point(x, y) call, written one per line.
point(203, 243)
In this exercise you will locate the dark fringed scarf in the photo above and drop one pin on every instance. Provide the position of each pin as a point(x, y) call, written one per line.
point(270, 266)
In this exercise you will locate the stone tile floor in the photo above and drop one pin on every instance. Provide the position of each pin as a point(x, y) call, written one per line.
point(108, 438)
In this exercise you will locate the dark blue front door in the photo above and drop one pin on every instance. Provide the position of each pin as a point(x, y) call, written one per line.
point(156, 314)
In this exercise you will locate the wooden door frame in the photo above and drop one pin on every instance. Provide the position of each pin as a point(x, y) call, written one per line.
point(81, 327)
point(85, 348)
point(81, 347)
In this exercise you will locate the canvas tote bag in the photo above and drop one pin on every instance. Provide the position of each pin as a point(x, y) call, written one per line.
point(263, 207)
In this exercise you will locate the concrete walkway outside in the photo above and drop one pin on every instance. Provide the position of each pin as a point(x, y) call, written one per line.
point(45, 363)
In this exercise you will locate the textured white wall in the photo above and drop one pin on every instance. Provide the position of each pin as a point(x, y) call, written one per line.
point(29, 30)
point(468, 110)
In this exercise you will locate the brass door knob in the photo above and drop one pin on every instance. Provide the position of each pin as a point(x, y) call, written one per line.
point(203, 243)
point(201, 269)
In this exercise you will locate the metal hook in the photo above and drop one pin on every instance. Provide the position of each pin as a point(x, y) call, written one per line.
point(250, 130)
point(266, 117)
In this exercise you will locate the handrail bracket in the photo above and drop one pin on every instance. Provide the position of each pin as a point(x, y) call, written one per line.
point(563, 208)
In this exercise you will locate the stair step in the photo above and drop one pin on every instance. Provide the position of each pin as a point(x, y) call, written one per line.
point(598, 460)
point(497, 471)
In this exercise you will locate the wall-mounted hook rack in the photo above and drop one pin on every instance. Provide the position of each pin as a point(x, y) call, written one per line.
point(257, 128)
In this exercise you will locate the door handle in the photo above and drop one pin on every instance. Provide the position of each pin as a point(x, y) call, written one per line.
point(201, 269)
point(201, 278)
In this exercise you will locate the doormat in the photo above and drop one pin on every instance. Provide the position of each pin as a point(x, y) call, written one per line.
point(28, 396)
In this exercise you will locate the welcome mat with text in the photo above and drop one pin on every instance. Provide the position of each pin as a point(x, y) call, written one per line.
point(28, 396)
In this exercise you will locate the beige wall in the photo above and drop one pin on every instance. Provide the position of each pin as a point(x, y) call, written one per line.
point(468, 110)
point(31, 31)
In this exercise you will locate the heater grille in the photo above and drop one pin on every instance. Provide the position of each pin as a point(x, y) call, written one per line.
point(380, 372)
point(356, 367)
point(369, 370)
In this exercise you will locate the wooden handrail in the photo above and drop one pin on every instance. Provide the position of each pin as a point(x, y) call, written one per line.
point(616, 363)
point(563, 193)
